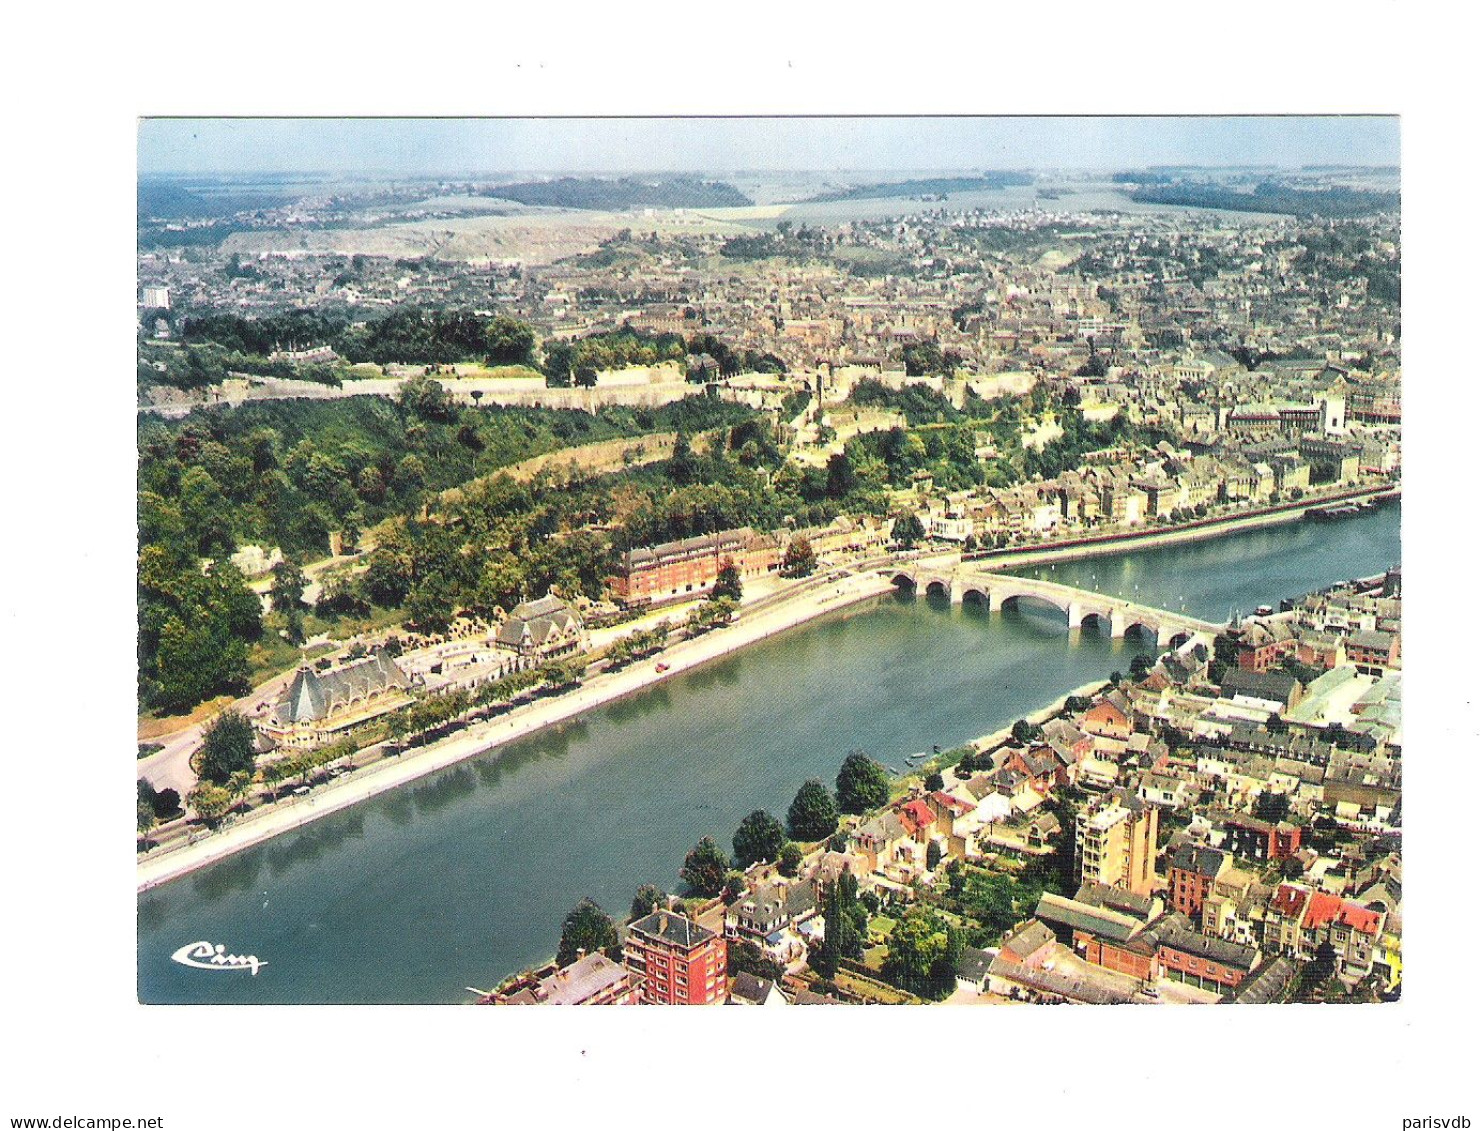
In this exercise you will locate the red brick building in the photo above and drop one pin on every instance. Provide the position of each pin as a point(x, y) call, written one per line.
point(1190, 877)
point(1372, 652)
point(1263, 644)
point(1135, 957)
point(1205, 961)
point(1261, 840)
point(690, 565)
point(1110, 717)
point(676, 961)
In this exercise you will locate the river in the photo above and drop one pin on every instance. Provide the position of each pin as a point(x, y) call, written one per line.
point(465, 877)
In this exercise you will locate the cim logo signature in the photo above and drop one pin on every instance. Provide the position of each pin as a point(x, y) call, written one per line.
point(212, 956)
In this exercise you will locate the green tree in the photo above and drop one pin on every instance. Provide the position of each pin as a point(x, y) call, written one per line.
point(844, 924)
point(863, 784)
point(648, 896)
point(734, 886)
point(790, 860)
point(590, 929)
point(917, 947)
point(908, 531)
point(747, 958)
point(935, 782)
point(228, 748)
point(932, 855)
point(210, 802)
point(705, 867)
point(1271, 806)
point(800, 559)
point(509, 341)
point(759, 837)
point(1024, 732)
point(727, 581)
point(288, 583)
point(563, 673)
point(825, 960)
point(432, 603)
point(813, 814)
point(388, 578)
point(558, 364)
point(423, 397)
point(1319, 969)
point(145, 815)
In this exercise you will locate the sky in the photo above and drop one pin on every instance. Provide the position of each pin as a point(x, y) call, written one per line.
point(460, 146)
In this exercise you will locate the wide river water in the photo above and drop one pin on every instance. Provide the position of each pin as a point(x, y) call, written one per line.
point(464, 877)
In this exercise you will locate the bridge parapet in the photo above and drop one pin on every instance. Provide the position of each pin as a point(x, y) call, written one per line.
point(994, 590)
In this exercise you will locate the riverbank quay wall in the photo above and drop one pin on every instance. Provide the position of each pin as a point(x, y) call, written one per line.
point(768, 616)
point(1092, 546)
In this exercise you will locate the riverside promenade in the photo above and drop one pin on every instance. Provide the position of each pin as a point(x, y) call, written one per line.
point(767, 617)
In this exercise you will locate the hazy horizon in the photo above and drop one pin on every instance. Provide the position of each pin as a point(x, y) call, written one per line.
point(444, 147)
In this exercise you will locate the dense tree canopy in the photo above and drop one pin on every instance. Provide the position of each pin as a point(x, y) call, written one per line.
point(228, 748)
point(813, 814)
point(727, 581)
point(863, 784)
point(705, 867)
point(590, 929)
point(800, 559)
point(923, 951)
point(760, 837)
point(648, 897)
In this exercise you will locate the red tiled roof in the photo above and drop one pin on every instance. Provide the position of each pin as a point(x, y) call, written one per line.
point(1362, 919)
point(953, 803)
point(918, 812)
point(1323, 908)
point(1288, 902)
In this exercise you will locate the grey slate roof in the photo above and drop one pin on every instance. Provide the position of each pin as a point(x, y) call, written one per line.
point(1197, 858)
point(534, 622)
point(1116, 899)
point(1175, 936)
point(313, 696)
point(1028, 937)
point(1272, 685)
point(1058, 984)
point(1265, 986)
point(581, 980)
point(673, 928)
point(1055, 909)
point(973, 964)
point(751, 990)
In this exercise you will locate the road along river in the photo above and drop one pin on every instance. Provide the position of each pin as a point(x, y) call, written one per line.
point(464, 877)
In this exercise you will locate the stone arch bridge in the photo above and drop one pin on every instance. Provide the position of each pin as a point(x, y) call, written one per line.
point(1080, 606)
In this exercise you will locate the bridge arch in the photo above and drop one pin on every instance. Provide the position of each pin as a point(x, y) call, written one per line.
point(1144, 629)
point(1093, 621)
point(1028, 601)
point(1179, 638)
point(976, 596)
point(937, 587)
point(904, 582)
